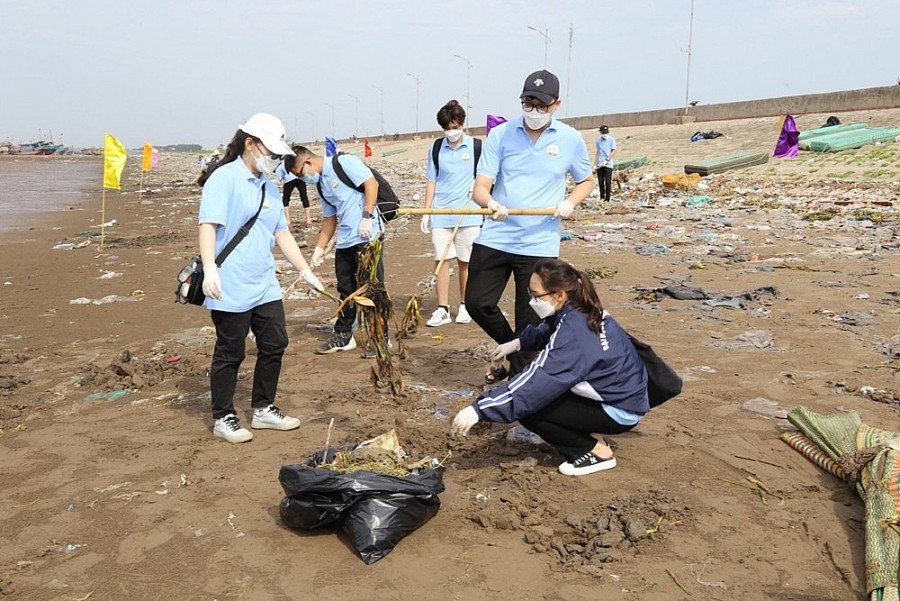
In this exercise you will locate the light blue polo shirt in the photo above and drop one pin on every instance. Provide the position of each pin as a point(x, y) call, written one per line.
point(604, 149)
point(230, 197)
point(283, 174)
point(455, 177)
point(530, 176)
point(347, 203)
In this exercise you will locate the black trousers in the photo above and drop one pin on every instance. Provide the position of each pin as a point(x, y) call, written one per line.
point(289, 188)
point(604, 180)
point(268, 325)
point(346, 263)
point(489, 271)
point(567, 424)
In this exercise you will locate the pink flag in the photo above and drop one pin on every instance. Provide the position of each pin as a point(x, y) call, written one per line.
point(154, 160)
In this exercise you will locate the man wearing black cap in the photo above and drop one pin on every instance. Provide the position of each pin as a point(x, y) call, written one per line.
point(523, 166)
point(605, 147)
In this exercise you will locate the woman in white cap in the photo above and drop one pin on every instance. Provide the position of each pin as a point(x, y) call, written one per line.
point(242, 291)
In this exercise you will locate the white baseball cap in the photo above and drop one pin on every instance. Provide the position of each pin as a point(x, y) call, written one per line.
point(270, 130)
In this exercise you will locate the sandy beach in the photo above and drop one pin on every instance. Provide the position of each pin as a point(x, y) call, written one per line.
point(113, 487)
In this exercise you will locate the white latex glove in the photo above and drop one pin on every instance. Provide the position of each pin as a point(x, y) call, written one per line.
point(312, 280)
point(365, 228)
point(564, 209)
point(498, 211)
point(212, 283)
point(507, 348)
point(318, 257)
point(463, 422)
point(424, 225)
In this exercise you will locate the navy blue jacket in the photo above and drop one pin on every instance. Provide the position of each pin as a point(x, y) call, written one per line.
point(604, 367)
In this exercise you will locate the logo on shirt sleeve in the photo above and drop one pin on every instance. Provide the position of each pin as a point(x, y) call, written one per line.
point(553, 150)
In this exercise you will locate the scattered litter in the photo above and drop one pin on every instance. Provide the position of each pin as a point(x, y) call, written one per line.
point(114, 395)
point(523, 434)
point(764, 407)
point(112, 298)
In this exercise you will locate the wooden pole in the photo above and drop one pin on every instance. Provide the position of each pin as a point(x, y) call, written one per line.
point(102, 216)
point(433, 211)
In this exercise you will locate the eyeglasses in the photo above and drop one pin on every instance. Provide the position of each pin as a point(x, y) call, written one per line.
point(541, 108)
point(537, 296)
point(271, 155)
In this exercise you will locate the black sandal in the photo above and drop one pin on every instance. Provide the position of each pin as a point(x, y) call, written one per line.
point(496, 374)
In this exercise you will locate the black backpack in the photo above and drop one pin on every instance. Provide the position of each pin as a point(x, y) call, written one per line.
point(436, 151)
point(387, 202)
point(663, 383)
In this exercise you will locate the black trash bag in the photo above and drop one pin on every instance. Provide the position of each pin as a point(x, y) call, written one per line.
point(375, 510)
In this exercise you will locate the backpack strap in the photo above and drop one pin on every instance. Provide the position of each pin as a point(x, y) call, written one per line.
point(342, 175)
point(476, 142)
point(435, 153)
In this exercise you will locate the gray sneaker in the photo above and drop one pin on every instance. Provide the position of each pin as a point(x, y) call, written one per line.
point(337, 342)
point(231, 429)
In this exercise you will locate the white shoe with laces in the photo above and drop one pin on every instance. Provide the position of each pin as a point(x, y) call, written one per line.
point(440, 317)
point(231, 429)
point(462, 316)
point(271, 418)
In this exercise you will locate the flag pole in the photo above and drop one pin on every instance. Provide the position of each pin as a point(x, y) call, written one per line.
point(102, 216)
point(141, 191)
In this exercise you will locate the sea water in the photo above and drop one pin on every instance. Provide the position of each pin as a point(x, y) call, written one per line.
point(30, 185)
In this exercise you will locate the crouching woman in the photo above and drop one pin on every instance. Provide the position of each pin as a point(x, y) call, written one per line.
point(587, 379)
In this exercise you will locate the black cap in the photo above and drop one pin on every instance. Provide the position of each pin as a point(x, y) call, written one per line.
point(542, 85)
point(604, 129)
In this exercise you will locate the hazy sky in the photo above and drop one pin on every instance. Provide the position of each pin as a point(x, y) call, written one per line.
point(189, 71)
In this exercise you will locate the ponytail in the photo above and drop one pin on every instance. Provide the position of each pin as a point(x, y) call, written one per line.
point(235, 149)
point(558, 275)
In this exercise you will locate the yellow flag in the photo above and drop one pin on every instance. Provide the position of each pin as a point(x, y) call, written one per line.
point(114, 157)
point(147, 160)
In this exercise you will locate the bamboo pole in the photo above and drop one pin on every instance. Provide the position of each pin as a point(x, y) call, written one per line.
point(433, 211)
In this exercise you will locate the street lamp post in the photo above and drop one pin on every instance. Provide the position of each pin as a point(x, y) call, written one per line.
point(687, 85)
point(418, 82)
point(332, 117)
point(546, 35)
point(356, 129)
point(468, 79)
point(381, 91)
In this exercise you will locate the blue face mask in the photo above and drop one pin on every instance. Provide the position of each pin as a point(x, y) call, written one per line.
point(310, 179)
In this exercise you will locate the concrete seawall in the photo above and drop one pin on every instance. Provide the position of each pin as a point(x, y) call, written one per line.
point(830, 102)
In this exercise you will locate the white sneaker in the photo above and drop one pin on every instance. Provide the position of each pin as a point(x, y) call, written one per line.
point(440, 317)
point(231, 429)
point(271, 418)
point(462, 316)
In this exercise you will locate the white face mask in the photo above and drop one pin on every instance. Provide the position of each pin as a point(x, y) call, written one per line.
point(604, 136)
point(453, 135)
point(543, 308)
point(266, 164)
point(536, 120)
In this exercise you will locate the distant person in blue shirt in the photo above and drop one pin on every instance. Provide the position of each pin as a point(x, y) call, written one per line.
point(449, 187)
point(605, 148)
point(291, 183)
point(243, 293)
point(587, 380)
point(526, 160)
point(350, 213)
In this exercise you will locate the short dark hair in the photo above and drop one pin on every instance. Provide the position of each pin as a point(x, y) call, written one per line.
point(299, 151)
point(452, 111)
